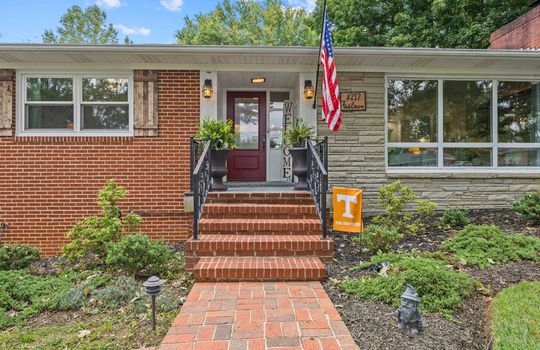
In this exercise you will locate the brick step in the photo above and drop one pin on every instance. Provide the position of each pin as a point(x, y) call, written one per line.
point(240, 226)
point(260, 211)
point(259, 269)
point(243, 245)
point(260, 197)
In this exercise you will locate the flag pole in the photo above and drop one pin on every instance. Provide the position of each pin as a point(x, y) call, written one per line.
point(319, 58)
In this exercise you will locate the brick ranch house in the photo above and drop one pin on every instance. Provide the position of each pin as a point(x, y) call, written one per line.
point(461, 127)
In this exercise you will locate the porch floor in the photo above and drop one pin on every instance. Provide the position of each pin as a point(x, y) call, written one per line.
point(260, 187)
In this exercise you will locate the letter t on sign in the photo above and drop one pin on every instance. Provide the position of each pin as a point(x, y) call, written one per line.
point(348, 200)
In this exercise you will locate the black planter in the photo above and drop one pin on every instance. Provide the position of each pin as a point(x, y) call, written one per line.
point(299, 168)
point(218, 169)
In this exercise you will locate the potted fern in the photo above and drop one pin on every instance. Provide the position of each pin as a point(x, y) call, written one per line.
point(297, 136)
point(220, 133)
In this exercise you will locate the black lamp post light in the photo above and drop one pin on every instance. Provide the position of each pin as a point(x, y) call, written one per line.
point(152, 287)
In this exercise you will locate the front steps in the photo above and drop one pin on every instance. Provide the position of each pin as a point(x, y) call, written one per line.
point(259, 237)
point(255, 268)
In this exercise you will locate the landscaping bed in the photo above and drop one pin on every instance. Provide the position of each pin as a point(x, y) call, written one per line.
point(373, 324)
point(91, 297)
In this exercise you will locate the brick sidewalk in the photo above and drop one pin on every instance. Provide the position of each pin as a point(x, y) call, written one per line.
point(258, 315)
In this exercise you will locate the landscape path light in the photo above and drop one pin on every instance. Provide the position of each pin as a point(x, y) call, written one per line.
point(152, 287)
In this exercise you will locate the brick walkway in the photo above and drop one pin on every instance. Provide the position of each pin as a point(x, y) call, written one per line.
point(258, 315)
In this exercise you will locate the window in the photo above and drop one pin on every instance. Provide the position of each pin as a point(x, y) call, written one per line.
point(451, 124)
point(74, 104)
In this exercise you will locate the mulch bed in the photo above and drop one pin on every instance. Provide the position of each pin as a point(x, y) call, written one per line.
point(374, 325)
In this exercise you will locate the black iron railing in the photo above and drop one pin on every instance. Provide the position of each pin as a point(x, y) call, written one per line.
point(195, 150)
point(317, 178)
point(200, 183)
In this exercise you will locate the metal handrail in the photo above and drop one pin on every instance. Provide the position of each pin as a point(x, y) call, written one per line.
point(317, 179)
point(195, 149)
point(201, 182)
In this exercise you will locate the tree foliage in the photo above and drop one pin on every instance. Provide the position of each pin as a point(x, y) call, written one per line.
point(418, 23)
point(78, 26)
point(246, 22)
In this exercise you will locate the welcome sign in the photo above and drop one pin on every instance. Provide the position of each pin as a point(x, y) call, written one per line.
point(348, 209)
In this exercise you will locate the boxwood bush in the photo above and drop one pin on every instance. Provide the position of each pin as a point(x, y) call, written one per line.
point(137, 254)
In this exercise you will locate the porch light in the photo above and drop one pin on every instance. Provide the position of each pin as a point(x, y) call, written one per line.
point(258, 80)
point(207, 90)
point(309, 90)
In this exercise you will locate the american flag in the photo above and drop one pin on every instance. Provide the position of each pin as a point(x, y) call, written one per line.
point(331, 99)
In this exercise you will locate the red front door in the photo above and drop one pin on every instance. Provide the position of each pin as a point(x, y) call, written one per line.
point(247, 110)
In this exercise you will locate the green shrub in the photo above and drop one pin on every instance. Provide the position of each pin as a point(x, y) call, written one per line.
point(93, 234)
point(529, 206)
point(120, 291)
point(137, 254)
point(24, 295)
point(379, 238)
point(219, 131)
point(394, 199)
point(484, 245)
point(297, 133)
point(515, 317)
point(454, 218)
point(440, 288)
point(16, 257)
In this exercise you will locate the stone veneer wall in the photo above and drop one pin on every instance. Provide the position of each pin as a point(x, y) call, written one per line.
point(356, 159)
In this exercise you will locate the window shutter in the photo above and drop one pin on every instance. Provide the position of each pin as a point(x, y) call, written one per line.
point(145, 99)
point(6, 102)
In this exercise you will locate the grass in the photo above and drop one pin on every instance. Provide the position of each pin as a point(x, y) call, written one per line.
point(486, 245)
point(516, 317)
point(441, 288)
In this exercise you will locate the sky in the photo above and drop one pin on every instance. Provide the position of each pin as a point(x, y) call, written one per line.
point(145, 21)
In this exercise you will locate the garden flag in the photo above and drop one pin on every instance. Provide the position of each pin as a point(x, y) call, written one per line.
point(347, 204)
point(331, 99)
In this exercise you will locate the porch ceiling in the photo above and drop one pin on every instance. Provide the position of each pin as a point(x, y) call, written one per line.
point(242, 80)
point(271, 58)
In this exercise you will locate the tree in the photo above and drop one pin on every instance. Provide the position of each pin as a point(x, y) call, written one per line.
point(418, 23)
point(82, 27)
point(247, 22)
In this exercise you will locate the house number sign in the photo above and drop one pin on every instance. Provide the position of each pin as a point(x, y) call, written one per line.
point(353, 101)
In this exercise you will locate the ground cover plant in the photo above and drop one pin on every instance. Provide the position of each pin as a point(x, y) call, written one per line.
point(453, 218)
point(15, 256)
point(485, 245)
point(442, 288)
point(529, 206)
point(515, 317)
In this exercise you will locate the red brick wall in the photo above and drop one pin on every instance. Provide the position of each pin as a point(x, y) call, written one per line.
point(522, 33)
point(48, 183)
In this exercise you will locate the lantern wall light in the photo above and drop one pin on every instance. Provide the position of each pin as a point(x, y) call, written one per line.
point(208, 90)
point(309, 90)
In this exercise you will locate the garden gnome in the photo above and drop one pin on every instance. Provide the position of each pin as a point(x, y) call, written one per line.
point(409, 316)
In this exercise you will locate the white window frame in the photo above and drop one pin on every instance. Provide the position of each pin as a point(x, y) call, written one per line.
point(440, 145)
point(77, 103)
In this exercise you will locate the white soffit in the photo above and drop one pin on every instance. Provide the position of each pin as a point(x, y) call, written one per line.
point(273, 58)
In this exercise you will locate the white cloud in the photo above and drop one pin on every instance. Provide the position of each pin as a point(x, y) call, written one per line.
point(308, 5)
point(132, 30)
point(109, 3)
point(172, 5)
